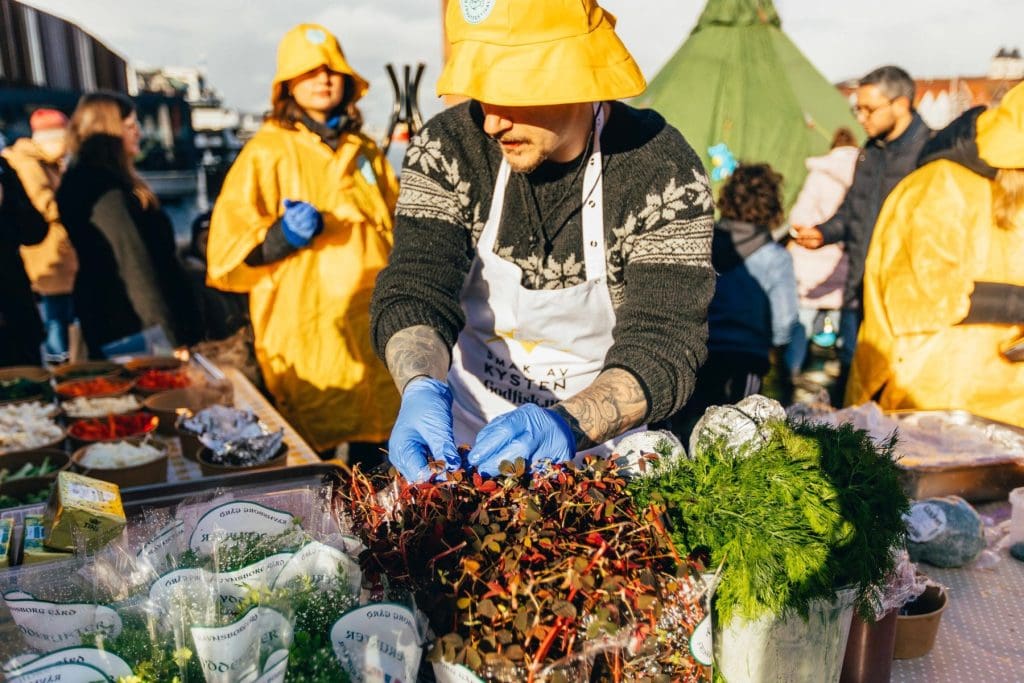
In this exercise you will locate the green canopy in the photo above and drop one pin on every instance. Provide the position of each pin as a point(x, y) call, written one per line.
point(739, 80)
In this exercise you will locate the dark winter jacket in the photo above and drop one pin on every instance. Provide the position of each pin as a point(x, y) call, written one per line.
point(755, 302)
point(880, 167)
point(21, 330)
point(129, 276)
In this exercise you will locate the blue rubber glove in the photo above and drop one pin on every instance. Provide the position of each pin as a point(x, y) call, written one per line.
point(529, 432)
point(423, 430)
point(301, 223)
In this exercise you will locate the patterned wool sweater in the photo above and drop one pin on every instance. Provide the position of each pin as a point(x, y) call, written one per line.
point(658, 225)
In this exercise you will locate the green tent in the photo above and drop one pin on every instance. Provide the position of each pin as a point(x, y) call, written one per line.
point(739, 80)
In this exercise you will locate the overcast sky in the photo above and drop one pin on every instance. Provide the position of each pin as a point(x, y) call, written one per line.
point(235, 40)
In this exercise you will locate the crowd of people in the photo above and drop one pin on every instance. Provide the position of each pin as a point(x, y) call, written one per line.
point(550, 275)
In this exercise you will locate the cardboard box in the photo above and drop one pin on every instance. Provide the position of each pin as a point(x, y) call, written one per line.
point(32, 549)
point(83, 509)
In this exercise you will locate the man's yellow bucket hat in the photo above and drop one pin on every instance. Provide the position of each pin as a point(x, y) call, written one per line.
point(1000, 131)
point(305, 48)
point(536, 52)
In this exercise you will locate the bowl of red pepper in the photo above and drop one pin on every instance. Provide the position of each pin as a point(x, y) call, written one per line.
point(111, 428)
point(93, 387)
point(155, 381)
point(141, 364)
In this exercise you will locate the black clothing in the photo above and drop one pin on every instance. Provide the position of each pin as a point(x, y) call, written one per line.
point(129, 276)
point(996, 302)
point(658, 224)
point(880, 167)
point(222, 313)
point(21, 329)
point(956, 142)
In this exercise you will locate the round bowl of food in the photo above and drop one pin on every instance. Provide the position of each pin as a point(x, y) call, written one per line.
point(29, 426)
point(86, 370)
point(155, 381)
point(212, 465)
point(22, 383)
point(128, 462)
point(93, 387)
point(111, 428)
point(170, 405)
point(139, 365)
point(100, 406)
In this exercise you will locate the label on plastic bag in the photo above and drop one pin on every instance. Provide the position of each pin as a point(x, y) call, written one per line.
point(62, 673)
point(233, 587)
point(275, 669)
point(177, 583)
point(382, 641)
point(240, 519)
point(701, 642)
point(925, 521)
point(106, 662)
point(321, 563)
point(445, 672)
point(229, 653)
point(49, 626)
point(167, 544)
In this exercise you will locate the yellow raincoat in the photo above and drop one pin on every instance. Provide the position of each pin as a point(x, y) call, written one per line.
point(310, 310)
point(935, 237)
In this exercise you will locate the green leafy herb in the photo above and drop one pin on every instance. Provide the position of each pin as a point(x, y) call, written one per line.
point(811, 510)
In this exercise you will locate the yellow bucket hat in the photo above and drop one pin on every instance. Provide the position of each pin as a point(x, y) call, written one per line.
point(1000, 132)
point(305, 48)
point(536, 52)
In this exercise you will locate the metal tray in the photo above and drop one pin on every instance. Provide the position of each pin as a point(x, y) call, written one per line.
point(985, 481)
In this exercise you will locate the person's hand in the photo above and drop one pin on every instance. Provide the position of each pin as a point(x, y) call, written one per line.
point(530, 432)
point(423, 430)
point(807, 236)
point(301, 223)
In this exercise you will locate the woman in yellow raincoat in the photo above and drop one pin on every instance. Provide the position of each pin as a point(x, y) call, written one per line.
point(944, 281)
point(303, 225)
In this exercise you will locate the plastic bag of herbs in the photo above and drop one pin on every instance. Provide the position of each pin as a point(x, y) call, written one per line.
point(230, 604)
point(795, 512)
point(554, 577)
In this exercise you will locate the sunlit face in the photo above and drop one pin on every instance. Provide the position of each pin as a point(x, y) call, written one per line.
point(878, 114)
point(530, 135)
point(318, 92)
point(52, 143)
point(131, 135)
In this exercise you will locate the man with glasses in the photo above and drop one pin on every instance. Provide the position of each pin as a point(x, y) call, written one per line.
point(896, 134)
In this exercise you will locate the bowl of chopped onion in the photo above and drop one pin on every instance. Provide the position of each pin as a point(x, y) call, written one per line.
point(130, 462)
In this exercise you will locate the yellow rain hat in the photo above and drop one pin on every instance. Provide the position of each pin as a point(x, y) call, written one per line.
point(305, 48)
point(1000, 131)
point(536, 52)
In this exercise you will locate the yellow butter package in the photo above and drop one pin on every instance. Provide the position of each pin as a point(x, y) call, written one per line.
point(32, 549)
point(83, 507)
point(6, 534)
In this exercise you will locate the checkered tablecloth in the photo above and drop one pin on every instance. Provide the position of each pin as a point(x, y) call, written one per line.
point(981, 634)
point(246, 396)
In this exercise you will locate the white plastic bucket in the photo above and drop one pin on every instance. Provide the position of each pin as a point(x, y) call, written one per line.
point(787, 649)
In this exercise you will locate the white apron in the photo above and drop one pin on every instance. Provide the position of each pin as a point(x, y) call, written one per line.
point(531, 346)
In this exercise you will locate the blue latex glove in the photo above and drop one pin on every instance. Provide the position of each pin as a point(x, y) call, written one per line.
point(529, 432)
point(301, 223)
point(423, 430)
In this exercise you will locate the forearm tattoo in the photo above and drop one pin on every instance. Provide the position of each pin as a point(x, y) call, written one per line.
point(613, 404)
point(416, 351)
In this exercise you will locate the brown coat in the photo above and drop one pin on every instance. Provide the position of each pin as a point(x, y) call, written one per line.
point(52, 264)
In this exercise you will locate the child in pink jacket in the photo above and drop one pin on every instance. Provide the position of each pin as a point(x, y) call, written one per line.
point(820, 273)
